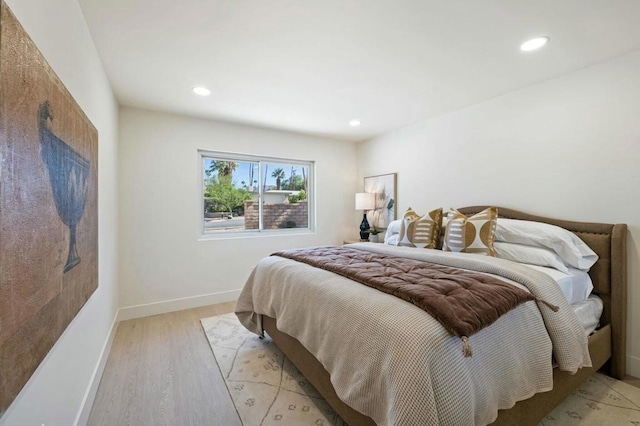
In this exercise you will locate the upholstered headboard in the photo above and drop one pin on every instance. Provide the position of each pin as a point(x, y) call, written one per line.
point(609, 274)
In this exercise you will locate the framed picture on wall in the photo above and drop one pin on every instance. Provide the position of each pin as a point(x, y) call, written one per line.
point(48, 208)
point(384, 188)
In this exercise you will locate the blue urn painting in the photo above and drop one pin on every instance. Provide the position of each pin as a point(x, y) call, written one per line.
point(68, 174)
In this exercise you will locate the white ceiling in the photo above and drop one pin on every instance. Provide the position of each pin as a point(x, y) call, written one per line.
point(311, 66)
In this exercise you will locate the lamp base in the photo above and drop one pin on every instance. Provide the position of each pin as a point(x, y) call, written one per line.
point(364, 227)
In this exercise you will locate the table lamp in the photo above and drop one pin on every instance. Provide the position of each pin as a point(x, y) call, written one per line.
point(365, 201)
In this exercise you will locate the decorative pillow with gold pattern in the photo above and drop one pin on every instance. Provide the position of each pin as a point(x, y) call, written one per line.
point(473, 234)
point(420, 231)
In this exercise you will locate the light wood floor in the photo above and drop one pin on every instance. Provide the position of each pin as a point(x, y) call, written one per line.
point(633, 381)
point(161, 371)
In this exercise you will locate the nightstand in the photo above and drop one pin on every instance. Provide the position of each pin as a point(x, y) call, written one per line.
point(354, 241)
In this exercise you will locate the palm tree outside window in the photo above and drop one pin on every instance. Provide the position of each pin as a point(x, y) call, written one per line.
point(278, 174)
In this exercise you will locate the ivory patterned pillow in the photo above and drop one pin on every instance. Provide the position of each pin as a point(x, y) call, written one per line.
point(420, 231)
point(473, 234)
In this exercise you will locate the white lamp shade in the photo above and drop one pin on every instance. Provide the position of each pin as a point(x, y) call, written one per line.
point(365, 201)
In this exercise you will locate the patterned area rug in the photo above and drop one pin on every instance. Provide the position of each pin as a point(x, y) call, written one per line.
point(264, 385)
point(600, 401)
point(268, 390)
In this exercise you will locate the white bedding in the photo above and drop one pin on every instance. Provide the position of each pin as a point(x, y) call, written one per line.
point(576, 285)
point(393, 362)
point(589, 312)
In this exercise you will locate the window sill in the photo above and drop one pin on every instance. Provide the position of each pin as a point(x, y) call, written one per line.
point(259, 234)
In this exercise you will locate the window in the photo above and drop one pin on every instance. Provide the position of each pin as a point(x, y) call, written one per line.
point(250, 194)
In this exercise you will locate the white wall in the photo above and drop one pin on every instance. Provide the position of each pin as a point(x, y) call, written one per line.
point(161, 258)
point(566, 148)
point(55, 393)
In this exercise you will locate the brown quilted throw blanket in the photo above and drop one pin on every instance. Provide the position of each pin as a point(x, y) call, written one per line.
point(464, 302)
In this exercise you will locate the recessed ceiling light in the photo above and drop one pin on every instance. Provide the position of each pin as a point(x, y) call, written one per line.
point(534, 43)
point(202, 91)
point(355, 123)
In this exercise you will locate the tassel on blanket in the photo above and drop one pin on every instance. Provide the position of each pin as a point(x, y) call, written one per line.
point(554, 308)
point(467, 351)
point(466, 347)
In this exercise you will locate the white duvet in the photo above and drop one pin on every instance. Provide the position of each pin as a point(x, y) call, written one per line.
point(393, 362)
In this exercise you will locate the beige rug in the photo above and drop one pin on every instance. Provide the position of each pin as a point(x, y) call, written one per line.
point(264, 385)
point(600, 401)
point(268, 390)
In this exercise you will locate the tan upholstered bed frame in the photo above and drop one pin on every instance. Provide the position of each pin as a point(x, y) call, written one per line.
point(607, 346)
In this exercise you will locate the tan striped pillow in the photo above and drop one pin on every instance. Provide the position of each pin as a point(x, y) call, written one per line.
point(420, 231)
point(473, 234)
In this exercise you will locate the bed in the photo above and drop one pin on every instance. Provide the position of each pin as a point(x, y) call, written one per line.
point(606, 346)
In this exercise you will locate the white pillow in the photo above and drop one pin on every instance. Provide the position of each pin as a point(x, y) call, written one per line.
point(393, 230)
point(571, 249)
point(393, 240)
point(530, 255)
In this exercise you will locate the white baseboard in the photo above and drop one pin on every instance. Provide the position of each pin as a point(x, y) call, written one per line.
point(90, 395)
point(633, 366)
point(139, 311)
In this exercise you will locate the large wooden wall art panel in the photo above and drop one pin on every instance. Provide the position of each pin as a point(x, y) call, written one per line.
point(48, 208)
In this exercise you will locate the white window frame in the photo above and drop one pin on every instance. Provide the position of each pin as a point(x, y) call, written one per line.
point(260, 159)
